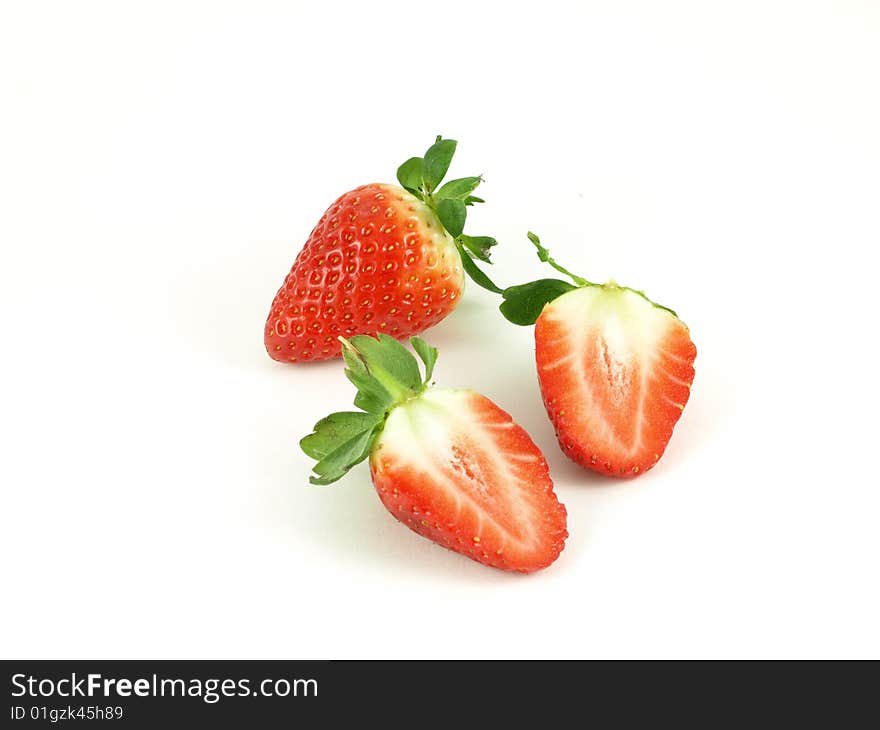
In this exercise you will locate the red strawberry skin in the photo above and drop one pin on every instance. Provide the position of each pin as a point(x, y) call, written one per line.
point(455, 468)
point(378, 261)
point(615, 373)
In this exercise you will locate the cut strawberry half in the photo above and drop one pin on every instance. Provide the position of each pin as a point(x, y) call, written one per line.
point(615, 369)
point(615, 374)
point(454, 467)
point(449, 464)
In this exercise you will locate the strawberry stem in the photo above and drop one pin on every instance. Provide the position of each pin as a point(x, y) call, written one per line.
point(523, 303)
point(544, 255)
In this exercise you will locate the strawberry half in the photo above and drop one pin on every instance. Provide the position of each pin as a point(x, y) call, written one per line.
point(615, 368)
point(383, 259)
point(449, 464)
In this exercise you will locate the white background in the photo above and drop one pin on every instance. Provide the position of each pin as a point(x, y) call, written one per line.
point(162, 163)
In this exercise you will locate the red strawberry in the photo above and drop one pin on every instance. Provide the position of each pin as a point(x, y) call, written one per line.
point(449, 464)
point(381, 259)
point(615, 368)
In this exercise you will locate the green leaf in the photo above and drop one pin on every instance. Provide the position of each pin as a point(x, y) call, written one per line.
point(437, 160)
point(337, 463)
point(479, 246)
point(352, 358)
point(471, 199)
point(390, 363)
point(372, 396)
point(452, 214)
point(523, 303)
point(460, 188)
point(427, 353)
point(330, 432)
point(473, 271)
point(409, 174)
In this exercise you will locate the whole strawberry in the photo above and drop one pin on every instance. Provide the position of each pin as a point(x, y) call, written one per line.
point(449, 464)
point(383, 259)
point(615, 368)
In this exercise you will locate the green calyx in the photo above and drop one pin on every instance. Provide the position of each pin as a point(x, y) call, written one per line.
point(523, 303)
point(422, 177)
point(385, 374)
